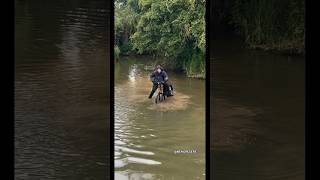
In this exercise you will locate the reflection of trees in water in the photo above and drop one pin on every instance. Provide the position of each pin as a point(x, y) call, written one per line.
point(232, 126)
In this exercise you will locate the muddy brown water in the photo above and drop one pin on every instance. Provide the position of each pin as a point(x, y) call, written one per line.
point(61, 94)
point(148, 135)
point(257, 119)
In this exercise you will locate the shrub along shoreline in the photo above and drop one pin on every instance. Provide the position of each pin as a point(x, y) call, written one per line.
point(175, 30)
point(269, 25)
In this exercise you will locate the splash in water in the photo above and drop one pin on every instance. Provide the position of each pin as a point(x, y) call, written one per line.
point(138, 88)
point(177, 102)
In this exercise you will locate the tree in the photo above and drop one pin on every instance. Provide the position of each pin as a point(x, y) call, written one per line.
point(174, 29)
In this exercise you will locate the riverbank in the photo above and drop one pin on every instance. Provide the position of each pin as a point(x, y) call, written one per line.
point(189, 70)
point(289, 48)
point(268, 25)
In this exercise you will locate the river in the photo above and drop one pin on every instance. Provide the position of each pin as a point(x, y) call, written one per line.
point(257, 119)
point(148, 135)
point(61, 94)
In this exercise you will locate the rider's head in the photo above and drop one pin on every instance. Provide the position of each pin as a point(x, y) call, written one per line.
point(158, 68)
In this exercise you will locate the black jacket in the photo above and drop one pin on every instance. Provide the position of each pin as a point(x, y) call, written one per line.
point(159, 77)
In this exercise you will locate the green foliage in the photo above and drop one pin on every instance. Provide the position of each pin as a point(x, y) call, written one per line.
point(174, 29)
point(195, 66)
point(125, 22)
point(116, 52)
point(165, 27)
point(270, 24)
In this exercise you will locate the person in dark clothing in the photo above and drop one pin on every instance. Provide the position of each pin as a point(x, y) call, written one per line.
point(160, 76)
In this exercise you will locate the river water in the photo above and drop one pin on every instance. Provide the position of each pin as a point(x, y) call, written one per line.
point(61, 90)
point(148, 135)
point(258, 113)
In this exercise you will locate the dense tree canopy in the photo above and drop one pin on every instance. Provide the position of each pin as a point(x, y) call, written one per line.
point(174, 29)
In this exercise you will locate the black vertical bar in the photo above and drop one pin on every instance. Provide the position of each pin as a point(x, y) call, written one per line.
point(207, 93)
point(111, 89)
point(12, 24)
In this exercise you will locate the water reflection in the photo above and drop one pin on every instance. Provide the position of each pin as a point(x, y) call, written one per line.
point(133, 73)
point(258, 113)
point(60, 90)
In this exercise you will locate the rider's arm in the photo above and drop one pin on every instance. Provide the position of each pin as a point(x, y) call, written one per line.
point(152, 76)
point(165, 76)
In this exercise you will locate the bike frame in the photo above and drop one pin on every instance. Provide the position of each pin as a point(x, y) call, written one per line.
point(160, 96)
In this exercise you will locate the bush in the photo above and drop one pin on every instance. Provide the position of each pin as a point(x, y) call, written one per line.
point(195, 66)
point(270, 24)
point(116, 52)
